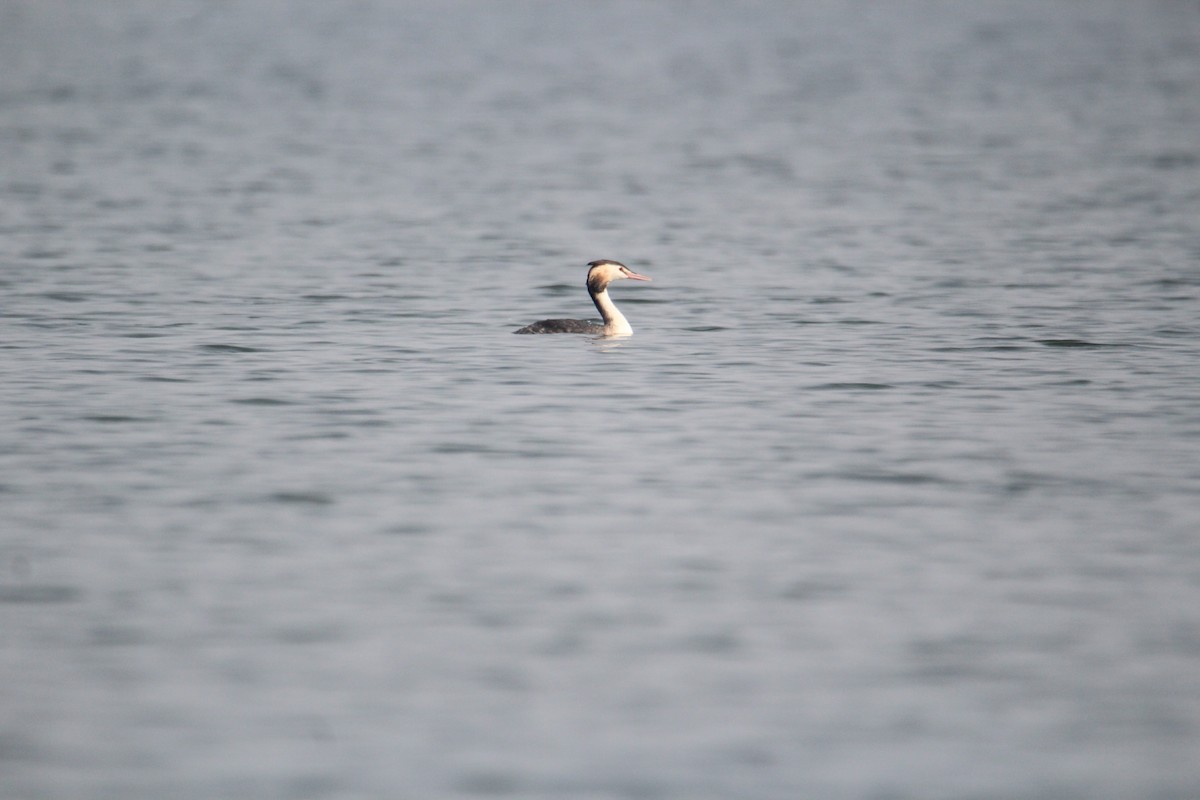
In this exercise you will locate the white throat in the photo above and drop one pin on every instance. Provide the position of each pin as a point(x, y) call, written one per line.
point(615, 323)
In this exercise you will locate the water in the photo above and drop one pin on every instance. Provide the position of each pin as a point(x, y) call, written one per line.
point(893, 493)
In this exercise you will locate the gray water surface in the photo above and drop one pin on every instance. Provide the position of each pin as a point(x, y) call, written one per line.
point(894, 493)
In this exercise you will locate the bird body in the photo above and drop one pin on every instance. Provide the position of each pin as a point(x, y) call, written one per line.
point(600, 274)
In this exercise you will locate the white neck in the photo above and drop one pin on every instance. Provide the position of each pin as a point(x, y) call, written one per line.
point(615, 323)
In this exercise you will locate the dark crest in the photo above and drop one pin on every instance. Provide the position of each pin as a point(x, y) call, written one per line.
point(596, 280)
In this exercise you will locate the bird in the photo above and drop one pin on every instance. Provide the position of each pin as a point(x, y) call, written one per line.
point(600, 274)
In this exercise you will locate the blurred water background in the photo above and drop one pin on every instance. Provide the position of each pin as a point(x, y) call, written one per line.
point(894, 493)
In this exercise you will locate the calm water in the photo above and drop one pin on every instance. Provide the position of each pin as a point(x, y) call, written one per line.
point(894, 493)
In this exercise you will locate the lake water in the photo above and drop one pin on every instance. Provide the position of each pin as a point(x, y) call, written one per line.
point(893, 494)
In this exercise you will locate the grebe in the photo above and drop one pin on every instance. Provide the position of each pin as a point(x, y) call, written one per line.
point(600, 274)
